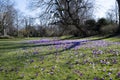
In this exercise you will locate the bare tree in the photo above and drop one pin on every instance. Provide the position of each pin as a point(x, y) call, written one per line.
point(111, 16)
point(7, 16)
point(28, 24)
point(66, 12)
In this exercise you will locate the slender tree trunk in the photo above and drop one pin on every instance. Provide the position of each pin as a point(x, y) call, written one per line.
point(119, 15)
point(119, 18)
point(5, 33)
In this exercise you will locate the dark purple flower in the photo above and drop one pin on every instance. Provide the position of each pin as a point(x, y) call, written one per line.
point(96, 78)
point(37, 74)
point(114, 61)
point(118, 74)
point(35, 53)
point(94, 52)
point(102, 61)
point(31, 61)
point(78, 72)
point(53, 68)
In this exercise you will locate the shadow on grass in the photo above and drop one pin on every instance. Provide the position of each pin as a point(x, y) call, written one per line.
point(106, 37)
point(102, 37)
point(23, 58)
point(74, 44)
point(11, 46)
point(28, 45)
point(17, 61)
point(70, 37)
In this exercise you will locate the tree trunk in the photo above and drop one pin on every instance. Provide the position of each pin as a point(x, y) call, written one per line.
point(119, 18)
point(5, 33)
point(82, 31)
point(119, 15)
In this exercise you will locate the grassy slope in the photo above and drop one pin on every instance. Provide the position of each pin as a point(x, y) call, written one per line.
point(17, 62)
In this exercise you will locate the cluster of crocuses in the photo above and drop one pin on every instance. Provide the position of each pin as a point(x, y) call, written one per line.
point(74, 43)
point(77, 44)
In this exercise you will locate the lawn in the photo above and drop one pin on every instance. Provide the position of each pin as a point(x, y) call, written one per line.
point(60, 59)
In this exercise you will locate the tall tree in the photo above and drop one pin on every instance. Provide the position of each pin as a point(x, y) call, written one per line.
point(119, 15)
point(7, 16)
point(66, 12)
point(28, 22)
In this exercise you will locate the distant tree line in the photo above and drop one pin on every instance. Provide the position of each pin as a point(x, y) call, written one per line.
point(57, 18)
point(100, 27)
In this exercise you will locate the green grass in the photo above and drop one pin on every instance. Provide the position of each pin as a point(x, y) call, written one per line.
point(17, 62)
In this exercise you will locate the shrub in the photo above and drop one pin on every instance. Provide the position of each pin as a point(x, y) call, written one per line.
point(90, 22)
point(102, 21)
point(109, 29)
point(5, 37)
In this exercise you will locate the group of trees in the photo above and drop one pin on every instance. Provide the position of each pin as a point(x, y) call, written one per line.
point(57, 18)
point(7, 17)
point(91, 26)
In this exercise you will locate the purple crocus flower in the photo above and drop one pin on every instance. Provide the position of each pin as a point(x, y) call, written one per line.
point(118, 74)
point(36, 74)
point(114, 61)
point(78, 72)
point(96, 78)
point(31, 61)
point(35, 53)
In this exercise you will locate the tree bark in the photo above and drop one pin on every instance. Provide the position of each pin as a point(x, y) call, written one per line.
point(118, 1)
point(5, 33)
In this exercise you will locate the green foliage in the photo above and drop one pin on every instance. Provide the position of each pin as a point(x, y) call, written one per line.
point(102, 21)
point(91, 26)
point(90, 23)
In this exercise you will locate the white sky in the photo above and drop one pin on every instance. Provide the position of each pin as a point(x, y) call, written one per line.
point(101, 7)
point(22, 6)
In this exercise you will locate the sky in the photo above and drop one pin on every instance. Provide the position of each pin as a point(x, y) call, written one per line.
point(106, 5)
point(22, 6)
point(99, 12)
